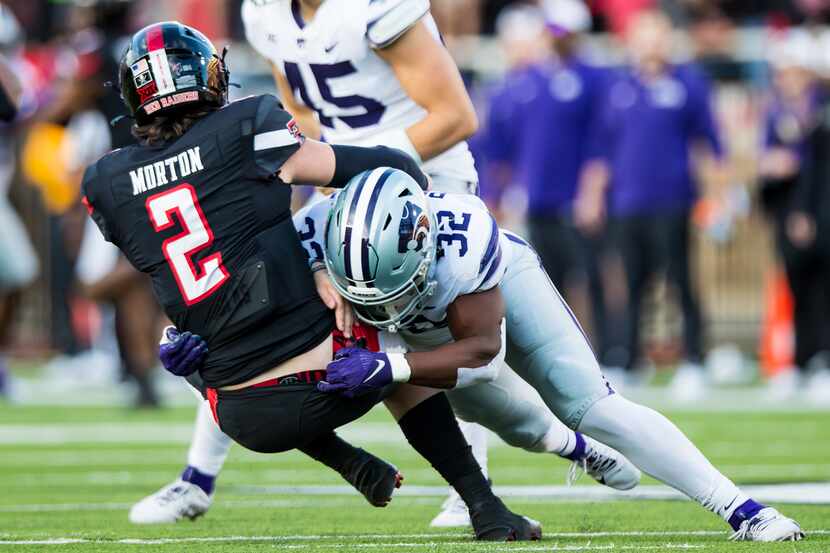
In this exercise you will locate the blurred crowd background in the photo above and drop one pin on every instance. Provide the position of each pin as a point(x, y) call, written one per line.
point(667, 158)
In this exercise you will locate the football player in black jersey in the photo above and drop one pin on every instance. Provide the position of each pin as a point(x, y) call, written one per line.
point(201, 204)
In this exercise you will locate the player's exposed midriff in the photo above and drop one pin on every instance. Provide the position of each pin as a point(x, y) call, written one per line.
point(315, 359)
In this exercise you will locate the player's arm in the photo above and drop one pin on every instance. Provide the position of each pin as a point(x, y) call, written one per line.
point(281, 152)
point(321, 164)
point(475, 323)
point(303, 114)
point(430, 77)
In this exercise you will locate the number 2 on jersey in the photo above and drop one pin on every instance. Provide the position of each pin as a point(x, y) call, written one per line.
point(196, 282)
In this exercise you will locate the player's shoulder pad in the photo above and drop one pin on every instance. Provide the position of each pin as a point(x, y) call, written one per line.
point(90, 179)
point(470, 254)
point(259, 19)
point(268, 104)
point(389, 19)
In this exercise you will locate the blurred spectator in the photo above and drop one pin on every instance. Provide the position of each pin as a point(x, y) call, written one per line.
point(654, 114)
point(86, 100)
point(789, 119)
point(620, 13)
point(806, 236)
point(520, 30)
point(18, 262)
point(538, 126)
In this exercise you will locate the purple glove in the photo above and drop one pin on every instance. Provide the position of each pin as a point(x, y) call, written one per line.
point(182, 353)
point(355, 372)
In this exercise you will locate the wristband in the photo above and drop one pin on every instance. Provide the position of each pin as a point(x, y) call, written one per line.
point(401, 371)
point(165, 338)
point(316, 265)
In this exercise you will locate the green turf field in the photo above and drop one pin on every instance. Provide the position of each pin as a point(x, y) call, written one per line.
point(69, 474)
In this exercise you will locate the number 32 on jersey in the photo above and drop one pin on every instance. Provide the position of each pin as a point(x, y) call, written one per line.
point(196, 281)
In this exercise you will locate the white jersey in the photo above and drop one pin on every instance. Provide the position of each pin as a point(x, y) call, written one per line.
point(332, 67)
point(472, 257)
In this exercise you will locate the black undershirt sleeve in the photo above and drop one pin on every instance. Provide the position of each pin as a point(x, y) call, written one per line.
point(353, 160)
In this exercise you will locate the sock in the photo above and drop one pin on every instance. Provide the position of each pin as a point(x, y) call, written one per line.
point(745, 511)
point(209, 446)
point(559, 439)
point(194, 476)
point(430, 427)
point(476, 436)
point(332, 451)
point(577, 450)
point(661, 450)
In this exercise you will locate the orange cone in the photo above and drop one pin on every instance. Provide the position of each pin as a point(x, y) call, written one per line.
point(776, 350)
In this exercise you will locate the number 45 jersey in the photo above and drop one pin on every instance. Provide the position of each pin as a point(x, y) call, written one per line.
point(206, 217)
point(332, 67)
point(472, 256)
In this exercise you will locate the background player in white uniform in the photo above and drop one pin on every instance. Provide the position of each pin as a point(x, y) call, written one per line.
point(438, 267)
point(360, 72)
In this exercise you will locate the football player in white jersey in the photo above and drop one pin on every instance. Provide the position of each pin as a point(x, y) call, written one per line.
point(437, 269)
point(359, 72)
point(369, 72)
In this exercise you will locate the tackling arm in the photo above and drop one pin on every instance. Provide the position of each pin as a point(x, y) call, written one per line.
point(430, 77)
point(322, 164)
point(475, 323)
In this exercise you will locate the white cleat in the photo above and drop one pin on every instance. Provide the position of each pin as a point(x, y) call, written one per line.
point(171, 503)
point(605, 465)
point(768, 525)
point(454, 513)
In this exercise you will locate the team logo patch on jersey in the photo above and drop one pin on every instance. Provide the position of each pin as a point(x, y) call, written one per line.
point(413, 230)
point(295, 131)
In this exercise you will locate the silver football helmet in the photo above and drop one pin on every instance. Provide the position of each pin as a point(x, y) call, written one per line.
point(380, 247)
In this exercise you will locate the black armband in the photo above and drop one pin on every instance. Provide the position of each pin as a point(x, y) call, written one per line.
point(353, 160)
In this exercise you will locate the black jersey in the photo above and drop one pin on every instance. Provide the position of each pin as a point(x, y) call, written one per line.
point(208, 219)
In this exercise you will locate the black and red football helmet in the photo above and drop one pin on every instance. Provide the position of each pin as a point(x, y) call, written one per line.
point(170, 68)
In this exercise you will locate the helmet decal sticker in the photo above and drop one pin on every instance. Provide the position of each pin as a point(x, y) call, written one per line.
point(161, 72)
point(414, 228)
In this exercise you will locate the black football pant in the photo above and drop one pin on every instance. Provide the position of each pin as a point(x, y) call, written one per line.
point(284, 417)
point(650, 244)
point(808, 273)
point(271, 419)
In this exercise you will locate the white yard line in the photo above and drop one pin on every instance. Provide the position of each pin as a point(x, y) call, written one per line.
point(168, 432)
point(818, 494)
point(329, 540)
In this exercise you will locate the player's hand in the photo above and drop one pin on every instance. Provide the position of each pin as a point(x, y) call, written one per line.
point(355, 372)
point(801, 229)
point(589, 213)
point(343, 314)
point(182, 353)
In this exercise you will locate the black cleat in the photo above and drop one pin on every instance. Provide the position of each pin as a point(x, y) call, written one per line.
point(493, 521)
point(376, 479)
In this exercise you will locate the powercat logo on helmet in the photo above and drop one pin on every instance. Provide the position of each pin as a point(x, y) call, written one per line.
point(414, 228)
